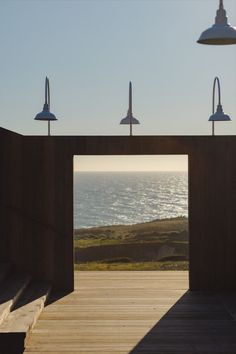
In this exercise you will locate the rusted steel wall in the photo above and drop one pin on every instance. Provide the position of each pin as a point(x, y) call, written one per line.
point(36, 194)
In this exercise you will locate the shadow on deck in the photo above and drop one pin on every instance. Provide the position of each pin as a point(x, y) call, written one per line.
point(199, 322)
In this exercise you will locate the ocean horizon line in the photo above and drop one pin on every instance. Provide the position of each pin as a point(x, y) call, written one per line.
point(125, 171)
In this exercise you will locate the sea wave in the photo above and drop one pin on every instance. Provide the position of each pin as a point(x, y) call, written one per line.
point(128, 198)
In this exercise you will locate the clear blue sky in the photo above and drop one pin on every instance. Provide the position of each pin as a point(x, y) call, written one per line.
point(90, 50)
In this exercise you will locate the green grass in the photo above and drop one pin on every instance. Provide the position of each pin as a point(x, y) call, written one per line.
point(165, 235)
point(181, 265)
point(165, 230)
point(96, 242)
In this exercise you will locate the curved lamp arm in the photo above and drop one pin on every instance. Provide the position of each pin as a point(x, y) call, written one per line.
point(47, 93)
point(216, 80)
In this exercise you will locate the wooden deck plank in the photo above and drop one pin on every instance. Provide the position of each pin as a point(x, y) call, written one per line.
point(135, 312)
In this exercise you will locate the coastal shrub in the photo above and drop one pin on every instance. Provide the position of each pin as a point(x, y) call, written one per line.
point(117, 260)
point(179, 265)
point(174, 258)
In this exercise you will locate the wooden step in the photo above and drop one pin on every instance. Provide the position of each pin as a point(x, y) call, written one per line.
point(25, 313)
point(10, 291)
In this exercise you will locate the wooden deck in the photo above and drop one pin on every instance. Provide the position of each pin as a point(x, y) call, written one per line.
point(136, 312)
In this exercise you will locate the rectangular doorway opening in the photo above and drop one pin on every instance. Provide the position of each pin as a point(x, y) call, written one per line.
point(131, 212)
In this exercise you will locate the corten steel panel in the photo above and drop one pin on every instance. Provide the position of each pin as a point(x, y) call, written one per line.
point(212, 211)
point(36, 194)
point(10, 191)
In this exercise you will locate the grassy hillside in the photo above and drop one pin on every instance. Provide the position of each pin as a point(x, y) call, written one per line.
point(160, 244)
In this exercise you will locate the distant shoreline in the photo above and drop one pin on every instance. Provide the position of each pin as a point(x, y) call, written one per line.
point(177, 218)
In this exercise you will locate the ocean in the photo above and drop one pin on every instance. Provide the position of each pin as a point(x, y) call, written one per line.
point(114, 198)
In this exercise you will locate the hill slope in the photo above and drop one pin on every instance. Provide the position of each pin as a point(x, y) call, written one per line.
point(163, 240)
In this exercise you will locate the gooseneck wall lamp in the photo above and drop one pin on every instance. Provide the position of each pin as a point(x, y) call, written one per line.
point(46, 115)
point(129, 119)
point(219, 114)
point(221, 33)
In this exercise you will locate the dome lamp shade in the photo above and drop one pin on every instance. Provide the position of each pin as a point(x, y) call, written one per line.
point(219, 115)
point(129, 118)
point(221, 33)
point(45, 114)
